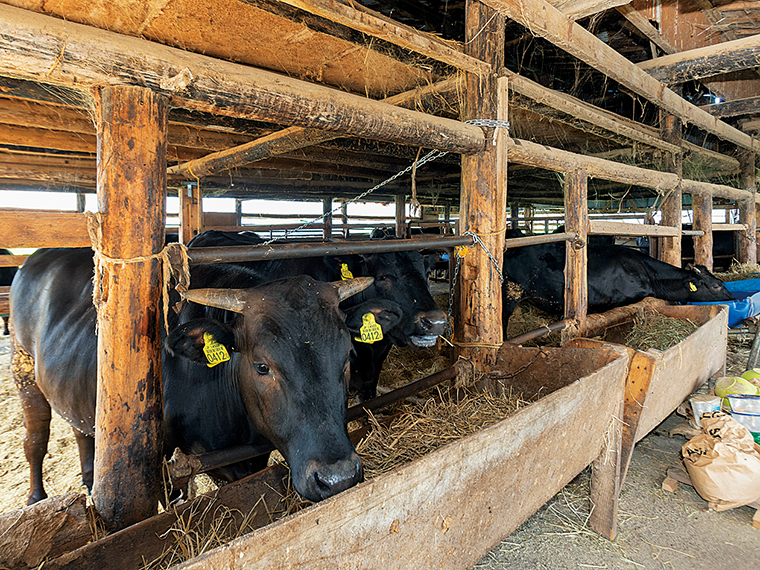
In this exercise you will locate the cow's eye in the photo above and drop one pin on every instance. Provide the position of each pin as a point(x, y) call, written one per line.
point(261, 369)
point(382, 278)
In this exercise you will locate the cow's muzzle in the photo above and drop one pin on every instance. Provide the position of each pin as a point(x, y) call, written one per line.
point(428, 326)
point(323, 480)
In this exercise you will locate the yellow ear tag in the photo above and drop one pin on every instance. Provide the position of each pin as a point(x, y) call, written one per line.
point(461, 250)
point(692, 287)
point(370, 330)
point(345, 272)
point(215, 352)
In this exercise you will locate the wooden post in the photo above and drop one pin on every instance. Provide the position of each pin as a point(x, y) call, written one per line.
point(514, 213)
point(132, 126)
point(238, 212)
point(746, 244)
point(344, 219)
point(327, 211)
point(703, 245)
point(400, 215)
point(80, 202)
point(670, 247)
point(483, 204)
point(190, 212)
point(576, 220)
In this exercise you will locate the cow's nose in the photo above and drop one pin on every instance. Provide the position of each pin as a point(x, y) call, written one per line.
point(432, 322)
point(330, 479)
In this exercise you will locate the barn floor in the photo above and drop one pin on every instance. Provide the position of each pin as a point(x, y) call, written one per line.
point(655, 529)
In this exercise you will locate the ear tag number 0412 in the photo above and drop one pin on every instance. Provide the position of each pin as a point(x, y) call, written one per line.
point(345, 272)
point(370, 330)
point(215, 352)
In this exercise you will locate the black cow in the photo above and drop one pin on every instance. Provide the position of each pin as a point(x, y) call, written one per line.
point(6, 278)
point(617, 276)
point(285, 380)
point(400, 278)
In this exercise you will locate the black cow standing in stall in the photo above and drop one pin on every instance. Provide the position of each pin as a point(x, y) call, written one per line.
point(282, 360)
point(6, 278)
point(617, 276)
point(400, 280)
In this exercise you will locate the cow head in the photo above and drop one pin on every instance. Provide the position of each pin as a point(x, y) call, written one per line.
point(701, 285)
point(291, 367)
point(401, 277)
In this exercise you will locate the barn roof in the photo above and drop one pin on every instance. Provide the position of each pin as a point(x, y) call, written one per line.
point(410, 50)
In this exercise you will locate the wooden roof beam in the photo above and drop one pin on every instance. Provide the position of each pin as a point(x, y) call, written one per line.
point(579, 9)
point(357, 17)
point(706, 61)
point(642, 24)
point(748, 106)
point(546, 21)
point(48, 50)
point(294, 138)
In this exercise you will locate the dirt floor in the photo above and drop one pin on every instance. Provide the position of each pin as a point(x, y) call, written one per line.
point(656, 529)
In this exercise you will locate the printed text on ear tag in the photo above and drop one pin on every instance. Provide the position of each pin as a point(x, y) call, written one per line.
point(215, 352)
point(345, 272)
point(692, 287)
point(370, 330)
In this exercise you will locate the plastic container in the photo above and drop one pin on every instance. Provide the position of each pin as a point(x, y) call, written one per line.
point(704, 404)
point(749, 421)
point(744, 404)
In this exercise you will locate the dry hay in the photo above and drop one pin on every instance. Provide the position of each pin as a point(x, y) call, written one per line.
point(740, 272)
point(528, 318)
point(655, 330)
point(418, 430)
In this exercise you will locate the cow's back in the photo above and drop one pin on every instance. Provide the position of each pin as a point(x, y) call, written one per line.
point(54, 321)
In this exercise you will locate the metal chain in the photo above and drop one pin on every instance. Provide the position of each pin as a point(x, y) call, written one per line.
point(476, 239)
point(432, 155)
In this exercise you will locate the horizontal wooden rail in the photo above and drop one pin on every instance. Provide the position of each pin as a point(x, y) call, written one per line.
point(599, 227)
point(12, 260)
point(44, 229)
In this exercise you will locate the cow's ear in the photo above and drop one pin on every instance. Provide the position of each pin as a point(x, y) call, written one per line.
point(386, 313)
point(347, 267)
point(204, 341)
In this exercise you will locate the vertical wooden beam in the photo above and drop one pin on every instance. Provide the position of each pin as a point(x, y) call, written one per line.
point(327, 212)
point(670, 247)
point(132, 126)
point(344, 219)
point(576, 258)
point(703, 245)
point(514, 213)
point(400, 215)
point(80, 202)
point(190, 212)
point(746, 243)
point(483, 204)
point(238, 212)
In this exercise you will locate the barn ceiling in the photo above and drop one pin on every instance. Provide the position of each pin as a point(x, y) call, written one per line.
point(47, 138)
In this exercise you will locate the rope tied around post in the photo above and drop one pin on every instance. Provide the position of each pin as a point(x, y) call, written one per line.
point(174, 263)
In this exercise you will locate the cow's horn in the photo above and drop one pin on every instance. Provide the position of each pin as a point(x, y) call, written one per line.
point(228, 299)
point(352, 286)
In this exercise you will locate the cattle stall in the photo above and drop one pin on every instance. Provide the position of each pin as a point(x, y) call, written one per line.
point(134, 103)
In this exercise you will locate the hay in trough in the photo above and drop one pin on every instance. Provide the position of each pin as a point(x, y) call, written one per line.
point(527, 318)
point(418, 430)
point(655, 330)
point(740, 272)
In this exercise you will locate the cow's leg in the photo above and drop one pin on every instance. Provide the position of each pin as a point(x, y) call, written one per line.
point(86, 444)
point(36, 420)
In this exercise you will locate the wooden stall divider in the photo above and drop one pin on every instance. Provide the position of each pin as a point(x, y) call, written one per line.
point(132, 124)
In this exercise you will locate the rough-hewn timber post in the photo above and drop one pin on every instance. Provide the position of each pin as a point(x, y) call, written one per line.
point(190, 212)
point(344, 219)
point(327, 220)
point(576, 220)
point(746, 244)
point(132, 203)
point(670, 247)
point(483, 209)
point(703, 245)
point(400, 215)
